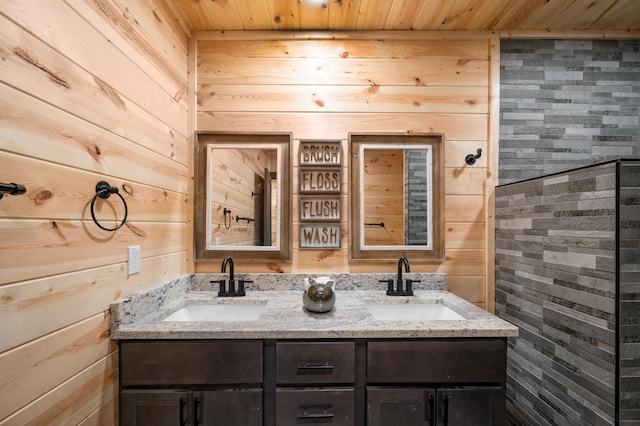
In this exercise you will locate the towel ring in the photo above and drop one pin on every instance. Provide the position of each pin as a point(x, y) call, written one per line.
point(104, 191)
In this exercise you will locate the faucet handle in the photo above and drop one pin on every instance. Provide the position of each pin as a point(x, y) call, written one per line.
point(389, 285)
point(223, 287)
point(241, 283)
point(409, 286)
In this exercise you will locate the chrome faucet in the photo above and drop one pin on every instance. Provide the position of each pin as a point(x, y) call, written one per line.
point(232, 292)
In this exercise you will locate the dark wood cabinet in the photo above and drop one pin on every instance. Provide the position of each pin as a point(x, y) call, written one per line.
point(315, 383)
point(434, 406)
point(384, 382)
point(436, 382)
point(191, 362)
point(305, 363)
point(437, 361)
point(155, 407)
point(191, 382)
point(228, 407)
point(189, 408)
point(325, 406)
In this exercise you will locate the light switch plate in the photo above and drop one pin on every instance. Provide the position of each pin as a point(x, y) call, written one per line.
point(134, 260)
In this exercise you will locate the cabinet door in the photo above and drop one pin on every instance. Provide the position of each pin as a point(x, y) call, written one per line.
point(400, 407)
point(471, 406)
point(155, 408)
point(228, 407)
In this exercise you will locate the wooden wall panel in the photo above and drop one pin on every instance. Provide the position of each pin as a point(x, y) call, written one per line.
point(338, 125)
point(61, 138)
point(374, 46)
point(33, 67)
point(420, 72)
point(25, 374)
point(364, 82)
point(368, 99)
point(73, 400)
point(87, 93)
point(68, 298)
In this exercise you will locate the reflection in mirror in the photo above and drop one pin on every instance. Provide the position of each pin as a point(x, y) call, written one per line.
point(396, 196)
point(395, 186)
point(242, 205)
point(242, 195)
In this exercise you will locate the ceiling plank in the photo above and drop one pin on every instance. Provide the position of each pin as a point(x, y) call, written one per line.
point(343, 14)
point(432, 14)
point(314, 15)
point(404, 15)
point(285, 14)
point(373, 14)
point(254, 15)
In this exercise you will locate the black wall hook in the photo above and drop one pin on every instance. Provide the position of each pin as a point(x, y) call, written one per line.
point(471, 159)
point(226, 212)
point(11, 189)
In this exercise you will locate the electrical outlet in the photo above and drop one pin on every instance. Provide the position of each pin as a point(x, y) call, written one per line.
point(134, 260)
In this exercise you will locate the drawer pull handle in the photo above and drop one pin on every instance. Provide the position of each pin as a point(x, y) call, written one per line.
point(430, 410)
point(308, 366)
point(196, 403)
point(324, 415)
point(445, 412)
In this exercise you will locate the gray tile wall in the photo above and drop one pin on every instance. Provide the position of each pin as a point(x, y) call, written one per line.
point(566, 104)
point(555, 280)
point(567, 270)
point(416, 231)
point(629, 301)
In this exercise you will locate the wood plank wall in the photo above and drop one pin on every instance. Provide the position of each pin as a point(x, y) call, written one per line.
point(89, 91)
point(325, 85)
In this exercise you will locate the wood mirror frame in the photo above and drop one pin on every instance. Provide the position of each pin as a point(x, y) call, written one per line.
point(281, 251)
point(419, 253)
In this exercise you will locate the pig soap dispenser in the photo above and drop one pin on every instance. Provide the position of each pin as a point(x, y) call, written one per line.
point(318, 294)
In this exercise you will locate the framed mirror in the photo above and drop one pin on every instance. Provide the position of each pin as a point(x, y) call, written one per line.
point(243, 193)
point(397, 197)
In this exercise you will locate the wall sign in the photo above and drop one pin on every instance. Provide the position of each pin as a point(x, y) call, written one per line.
point(320, 181)
point(320, 235)
point(320, 153)
point(320, 208)
point(321, 176)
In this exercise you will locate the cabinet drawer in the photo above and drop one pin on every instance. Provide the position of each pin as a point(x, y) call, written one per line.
point(315, 362)
point(315, 406)
point(437, 361)
point(194, 362)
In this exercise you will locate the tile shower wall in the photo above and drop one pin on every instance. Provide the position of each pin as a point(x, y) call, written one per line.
point(416, 231)
point(629, 301)
point(566, 104)
point(556, 278)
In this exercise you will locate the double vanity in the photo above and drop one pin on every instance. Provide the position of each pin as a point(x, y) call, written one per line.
point(190, 357)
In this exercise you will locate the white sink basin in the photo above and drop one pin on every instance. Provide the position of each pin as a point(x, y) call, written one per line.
point(218, 312)
point(412, 312)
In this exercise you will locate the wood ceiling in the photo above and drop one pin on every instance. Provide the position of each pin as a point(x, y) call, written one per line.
point(363, 15)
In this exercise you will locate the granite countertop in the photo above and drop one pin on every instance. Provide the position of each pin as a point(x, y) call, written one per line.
point(284, 317)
